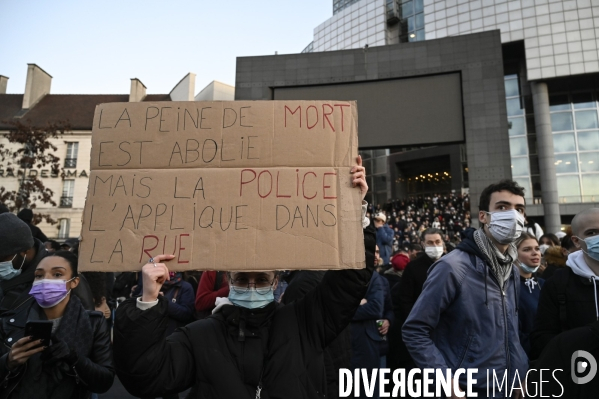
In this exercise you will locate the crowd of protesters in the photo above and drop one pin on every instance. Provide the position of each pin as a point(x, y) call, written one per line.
point(405, 220)
point(501, 297)
point(436, 293)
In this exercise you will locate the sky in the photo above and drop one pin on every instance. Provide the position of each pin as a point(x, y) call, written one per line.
point(97, 47)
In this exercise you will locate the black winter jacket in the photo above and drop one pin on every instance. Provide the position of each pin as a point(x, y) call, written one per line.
point(405, 294)
point(412, 281)
point(580, 308)
point(558, 357)
point(338, 354)
point(230, 353)
point(91, 373)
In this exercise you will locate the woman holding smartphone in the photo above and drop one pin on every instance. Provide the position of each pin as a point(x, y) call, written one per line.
point(78, 360)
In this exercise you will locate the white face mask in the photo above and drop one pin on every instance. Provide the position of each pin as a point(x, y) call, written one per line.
point(7, 271)
point(525, 268)
point(543, 248)
point(506, 226)
point(434, 252)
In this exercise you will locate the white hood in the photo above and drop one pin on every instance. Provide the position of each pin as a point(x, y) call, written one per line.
point(579, 266)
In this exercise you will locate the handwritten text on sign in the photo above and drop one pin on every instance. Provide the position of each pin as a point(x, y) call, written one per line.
point(223, 186)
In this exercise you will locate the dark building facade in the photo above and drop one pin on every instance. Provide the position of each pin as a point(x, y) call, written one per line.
point(436, 106)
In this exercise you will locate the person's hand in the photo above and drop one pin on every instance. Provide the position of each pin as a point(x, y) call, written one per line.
point(363, 301)
point(154, 275)
point(359, 177)
point(59, 351)
point(22, 350)
point(105, 309)
point(384, 329)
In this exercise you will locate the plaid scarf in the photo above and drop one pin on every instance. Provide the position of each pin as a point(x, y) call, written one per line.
point(500, 264)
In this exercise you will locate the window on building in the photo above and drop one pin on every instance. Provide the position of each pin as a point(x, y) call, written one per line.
point(68, 189)
point(375, 162)
point(309, 48)
point(71, 160)
point(519, 150)
point(412, 20)
point(65, 226)
point(575, 124)
point(339, 5)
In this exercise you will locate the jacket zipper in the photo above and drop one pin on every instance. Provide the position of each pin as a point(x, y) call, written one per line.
point(507, 344)
point(507, 351)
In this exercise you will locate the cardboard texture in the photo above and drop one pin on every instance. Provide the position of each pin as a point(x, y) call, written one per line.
point(260, 185)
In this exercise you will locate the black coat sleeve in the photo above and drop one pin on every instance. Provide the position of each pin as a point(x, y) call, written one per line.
point(547, 321)
point(147, 364)
point(303, 281)
point(325, 311)
point(97, 370)
point(329, 308)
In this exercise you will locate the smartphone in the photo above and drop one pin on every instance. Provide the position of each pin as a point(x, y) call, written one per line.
point(39, 329)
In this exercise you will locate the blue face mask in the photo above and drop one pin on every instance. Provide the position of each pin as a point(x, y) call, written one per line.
point(528, 269)
point(253, 298)
point(592, 246)
point(7, 271)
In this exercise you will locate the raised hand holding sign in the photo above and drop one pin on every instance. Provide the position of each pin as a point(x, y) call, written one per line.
point(196, 180)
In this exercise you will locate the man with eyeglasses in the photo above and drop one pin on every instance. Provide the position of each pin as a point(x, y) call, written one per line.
point(251, 347)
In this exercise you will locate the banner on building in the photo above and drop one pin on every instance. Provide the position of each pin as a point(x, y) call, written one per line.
point(257, 185)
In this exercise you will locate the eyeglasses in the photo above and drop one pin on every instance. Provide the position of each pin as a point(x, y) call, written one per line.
point(241, 285)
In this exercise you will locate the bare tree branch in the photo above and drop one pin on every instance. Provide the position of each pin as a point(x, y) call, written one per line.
point(30, 148)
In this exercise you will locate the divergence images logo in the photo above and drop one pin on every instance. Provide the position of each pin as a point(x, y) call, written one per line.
point(580, 363)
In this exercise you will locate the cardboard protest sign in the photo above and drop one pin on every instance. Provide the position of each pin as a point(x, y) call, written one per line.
point(260, 185)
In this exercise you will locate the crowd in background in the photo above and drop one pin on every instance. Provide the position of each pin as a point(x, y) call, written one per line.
point(409, 217)
point(417, 234)
point(412, 234)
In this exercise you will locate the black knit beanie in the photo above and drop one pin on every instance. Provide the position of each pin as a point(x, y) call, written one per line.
point(15, 235)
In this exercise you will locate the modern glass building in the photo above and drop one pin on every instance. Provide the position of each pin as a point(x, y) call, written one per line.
point(340, 5)
point(551, 72)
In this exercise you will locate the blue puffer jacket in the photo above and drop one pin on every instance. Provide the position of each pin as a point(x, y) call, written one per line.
point(384, 240)
point(462, 319)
